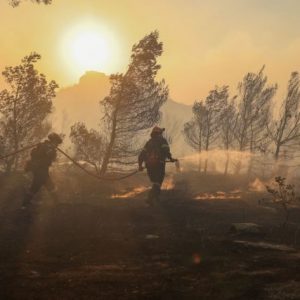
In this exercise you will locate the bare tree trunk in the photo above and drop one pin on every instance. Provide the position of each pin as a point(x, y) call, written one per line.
point(199, 153)
point(251, 139)
point(250, 167)
point(242, 140)
point(238, 166)
point(199, 163)
point(226, 163)
point(277, 151)
point(205, 165)
point(16, 140)
point(109, 148)
point(279, 138)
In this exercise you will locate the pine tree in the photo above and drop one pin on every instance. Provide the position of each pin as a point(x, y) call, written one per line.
point(133, 104)
point(25, 105)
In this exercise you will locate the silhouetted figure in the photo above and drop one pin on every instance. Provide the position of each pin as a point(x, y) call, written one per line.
point(154, 154)
point(42, 156)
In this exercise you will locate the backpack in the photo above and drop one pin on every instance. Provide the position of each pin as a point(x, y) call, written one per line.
point(153, 155)
point(41, 156)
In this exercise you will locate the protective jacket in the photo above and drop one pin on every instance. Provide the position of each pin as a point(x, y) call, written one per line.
point(155, 152)
point(42, 156)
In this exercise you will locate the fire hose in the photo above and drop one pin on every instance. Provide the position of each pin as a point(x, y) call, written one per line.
point(93, 174)
point(176, 161)
point(18, 151)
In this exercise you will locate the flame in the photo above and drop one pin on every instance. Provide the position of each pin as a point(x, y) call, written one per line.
point(257, 185)
point(219, 195)
point(130, 194)
point(168, 183)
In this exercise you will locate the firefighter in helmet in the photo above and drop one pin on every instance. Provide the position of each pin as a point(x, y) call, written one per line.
point(42, 156)
point(154, 154)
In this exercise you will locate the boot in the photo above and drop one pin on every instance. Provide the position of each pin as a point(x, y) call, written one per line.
point(149, 199)
point(156, 192)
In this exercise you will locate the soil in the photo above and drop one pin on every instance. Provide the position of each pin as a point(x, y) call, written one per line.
point(82, 243)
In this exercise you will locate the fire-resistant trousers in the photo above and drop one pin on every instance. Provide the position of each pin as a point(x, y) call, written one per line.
point(156, 175)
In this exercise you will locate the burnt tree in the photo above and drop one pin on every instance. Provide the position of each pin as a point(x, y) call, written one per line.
point(254, 98)
point(193, 130)
point(286, 129)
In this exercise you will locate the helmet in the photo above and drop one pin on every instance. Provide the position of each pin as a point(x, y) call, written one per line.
point(55, 138)
point(157, 130)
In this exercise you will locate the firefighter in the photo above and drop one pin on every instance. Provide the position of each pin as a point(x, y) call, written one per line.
point(154, 154)
point(42, 156)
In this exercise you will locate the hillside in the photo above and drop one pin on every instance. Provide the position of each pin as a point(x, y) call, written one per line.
point(80, 102)
point(174, 115)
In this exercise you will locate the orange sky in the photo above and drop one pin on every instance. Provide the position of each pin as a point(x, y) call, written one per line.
point(206, 42)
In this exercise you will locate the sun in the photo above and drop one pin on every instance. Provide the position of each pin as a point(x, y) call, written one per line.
point(89, 51)
point(89, 47)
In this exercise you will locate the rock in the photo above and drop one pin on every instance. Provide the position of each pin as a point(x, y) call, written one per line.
point(246, 228)
point(152, 237)
point(267, 246)
point(284, 291)
point(34, 274)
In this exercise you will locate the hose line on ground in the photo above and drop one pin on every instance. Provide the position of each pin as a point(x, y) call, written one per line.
point(18, 151)
point(93, 174)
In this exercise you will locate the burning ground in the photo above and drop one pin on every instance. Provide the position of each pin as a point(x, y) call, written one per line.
point(92, 240)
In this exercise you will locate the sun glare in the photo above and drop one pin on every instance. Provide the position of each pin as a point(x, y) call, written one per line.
point(89, 47)
point(89, 51)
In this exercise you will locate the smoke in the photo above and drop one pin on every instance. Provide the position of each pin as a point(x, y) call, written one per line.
point(258, 185)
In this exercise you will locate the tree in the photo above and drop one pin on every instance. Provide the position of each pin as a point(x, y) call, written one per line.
point(2, 147)
point(16, 3)
point(286, 129)
point(214, 105)
point(227, 124)
point(25, 105)
point(193, 130)
point(89, 145)
point(253, 110)
point(204, 128)
point(133, 104)
point(227, 127)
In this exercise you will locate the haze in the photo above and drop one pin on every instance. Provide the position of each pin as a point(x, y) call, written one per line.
point(206, 42)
